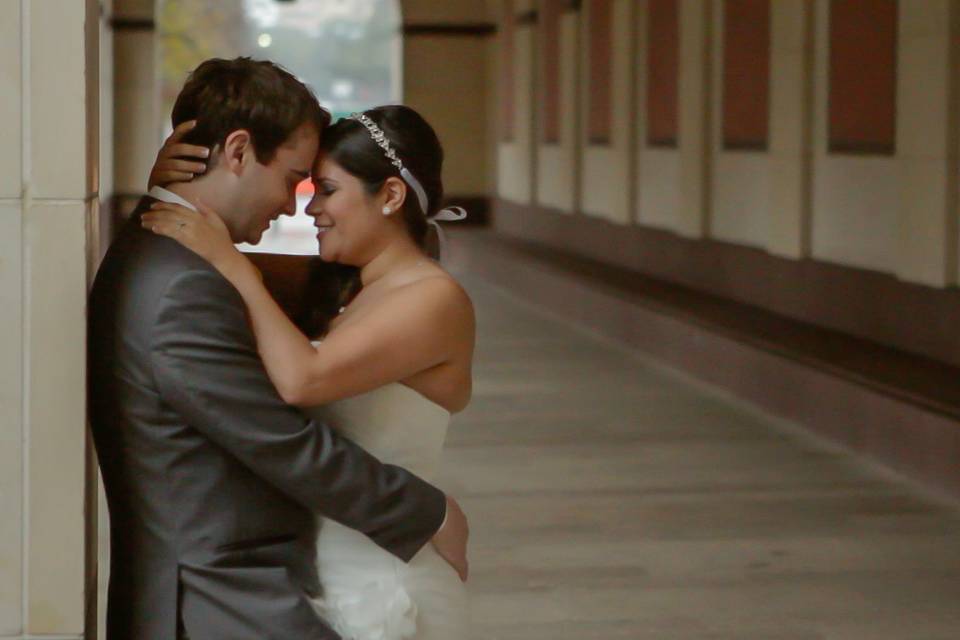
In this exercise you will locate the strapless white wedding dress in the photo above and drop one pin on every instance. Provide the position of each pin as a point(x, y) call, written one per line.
point(369, 594)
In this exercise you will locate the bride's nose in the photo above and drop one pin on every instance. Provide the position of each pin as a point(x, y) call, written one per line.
point(313, 207)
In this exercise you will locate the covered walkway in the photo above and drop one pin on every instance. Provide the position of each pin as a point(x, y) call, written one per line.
point(613, 499)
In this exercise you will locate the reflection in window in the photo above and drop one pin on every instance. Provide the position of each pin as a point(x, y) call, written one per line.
point(347, 51)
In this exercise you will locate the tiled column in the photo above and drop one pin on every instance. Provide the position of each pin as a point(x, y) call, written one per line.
point(515, 156)
point(927, 141)
point(694, 101)
point(48, 204)
point(606, 185)
point(11, 319)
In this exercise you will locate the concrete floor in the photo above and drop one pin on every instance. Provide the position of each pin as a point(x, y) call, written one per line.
point(610, 499)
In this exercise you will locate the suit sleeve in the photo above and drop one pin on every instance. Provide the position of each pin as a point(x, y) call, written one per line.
point(207, 369)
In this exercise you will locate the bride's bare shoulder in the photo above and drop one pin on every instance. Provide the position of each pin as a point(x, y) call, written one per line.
point(437, 291)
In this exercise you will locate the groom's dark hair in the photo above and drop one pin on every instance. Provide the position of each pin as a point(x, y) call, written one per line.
point(256, 95)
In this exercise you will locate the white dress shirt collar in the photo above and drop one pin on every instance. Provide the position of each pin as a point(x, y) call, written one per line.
point(164, 195)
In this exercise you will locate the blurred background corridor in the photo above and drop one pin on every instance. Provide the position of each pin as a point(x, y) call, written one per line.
point(713, 246)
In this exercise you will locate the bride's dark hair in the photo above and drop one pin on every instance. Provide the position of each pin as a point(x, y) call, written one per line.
point(349, 143)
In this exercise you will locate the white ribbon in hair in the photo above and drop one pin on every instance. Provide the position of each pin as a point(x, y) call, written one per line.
point(449, 214)
point(411, 180)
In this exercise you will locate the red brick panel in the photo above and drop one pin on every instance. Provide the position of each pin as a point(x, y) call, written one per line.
point(863, 76)
point(663, 55)
point(600, 36)
point(550, 11)
point(746, 73)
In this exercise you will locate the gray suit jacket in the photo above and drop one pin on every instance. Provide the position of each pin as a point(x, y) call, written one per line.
point(212, 481)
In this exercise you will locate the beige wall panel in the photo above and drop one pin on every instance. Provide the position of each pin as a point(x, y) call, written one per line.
point(741, 197)
point(741, 179)
point(515, 158)
point(789, 190)
point(10, 100)
point(927, 237)
point(11, 390)
point(790, 130)
point(694, 126)
point(56, 259)
point(658, 188)
point(446, 82)
point(136, 121)
point(59, 123)
point(923, 223)
point(855, 198)
point(557, 163)
point(556, 179)
point(606, 177)
point(855, 211)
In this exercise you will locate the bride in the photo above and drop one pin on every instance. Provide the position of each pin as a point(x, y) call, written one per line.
point(392, 366)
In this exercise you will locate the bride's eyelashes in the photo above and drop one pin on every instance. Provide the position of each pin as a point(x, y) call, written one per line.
point(324, 188)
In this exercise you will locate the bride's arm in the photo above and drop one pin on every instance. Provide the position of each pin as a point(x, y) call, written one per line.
point(414, 329)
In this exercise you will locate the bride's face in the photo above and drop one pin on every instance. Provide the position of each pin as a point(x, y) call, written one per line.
point(350, 223)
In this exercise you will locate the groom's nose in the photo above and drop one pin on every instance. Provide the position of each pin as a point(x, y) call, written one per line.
point(290, 208)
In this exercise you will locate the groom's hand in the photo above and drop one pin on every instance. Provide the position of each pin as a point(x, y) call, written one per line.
point(451, 540)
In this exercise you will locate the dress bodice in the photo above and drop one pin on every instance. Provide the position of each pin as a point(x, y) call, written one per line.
point(394, 423)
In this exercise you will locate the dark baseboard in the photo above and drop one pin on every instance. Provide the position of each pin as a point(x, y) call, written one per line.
point(866, 304)
point(450, 29)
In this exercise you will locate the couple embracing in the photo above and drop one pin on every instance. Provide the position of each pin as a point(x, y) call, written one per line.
point(263, 483)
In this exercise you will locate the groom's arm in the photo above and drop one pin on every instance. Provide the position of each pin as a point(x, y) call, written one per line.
point(207, 368)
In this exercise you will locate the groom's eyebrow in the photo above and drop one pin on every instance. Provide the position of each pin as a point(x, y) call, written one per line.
point(304, 175)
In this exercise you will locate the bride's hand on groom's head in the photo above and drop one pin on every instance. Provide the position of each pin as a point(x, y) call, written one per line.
point(201, 231)
point(178, 161)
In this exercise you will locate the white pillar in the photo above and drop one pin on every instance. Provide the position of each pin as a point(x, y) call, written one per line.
point(48, 206)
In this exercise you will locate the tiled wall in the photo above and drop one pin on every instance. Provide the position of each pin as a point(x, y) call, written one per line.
point(49, 89)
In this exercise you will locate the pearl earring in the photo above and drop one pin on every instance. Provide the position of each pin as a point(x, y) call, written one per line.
point(387, 211)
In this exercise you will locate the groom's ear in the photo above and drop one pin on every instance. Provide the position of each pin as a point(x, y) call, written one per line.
point(237, 150)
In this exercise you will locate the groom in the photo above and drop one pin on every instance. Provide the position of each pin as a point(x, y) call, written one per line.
point(213, 483)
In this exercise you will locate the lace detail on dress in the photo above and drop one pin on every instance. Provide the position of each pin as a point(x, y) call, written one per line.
point(380, 609)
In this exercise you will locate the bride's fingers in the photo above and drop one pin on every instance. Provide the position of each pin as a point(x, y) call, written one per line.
point(149, 220)
point(184, 150)
point(179, 131)
point(167, 215)
point(184, 166)
point(161, 227)
point(166, 177)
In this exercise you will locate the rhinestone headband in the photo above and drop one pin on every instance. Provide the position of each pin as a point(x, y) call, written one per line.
point(384, 143)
